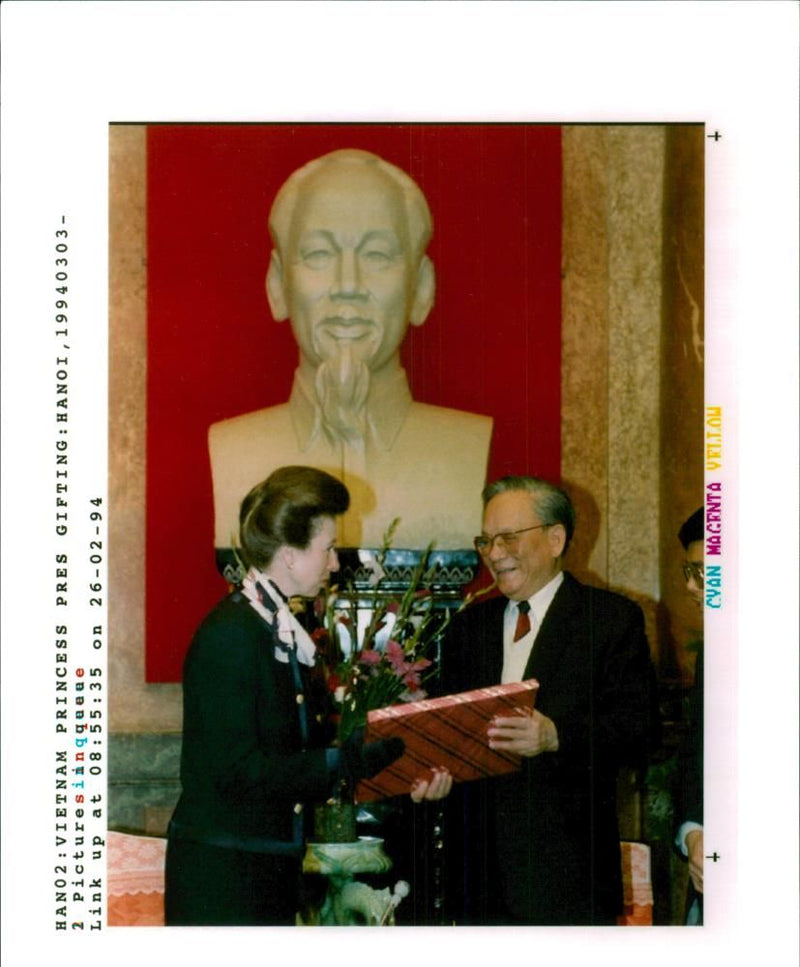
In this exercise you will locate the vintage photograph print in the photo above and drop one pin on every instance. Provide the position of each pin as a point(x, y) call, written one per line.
point(425, 309)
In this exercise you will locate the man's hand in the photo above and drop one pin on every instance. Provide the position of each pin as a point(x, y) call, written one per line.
point(694, 847)
point(431, 789)
point(525, 734)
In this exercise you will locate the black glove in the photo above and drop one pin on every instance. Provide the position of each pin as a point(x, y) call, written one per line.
point(359, 761)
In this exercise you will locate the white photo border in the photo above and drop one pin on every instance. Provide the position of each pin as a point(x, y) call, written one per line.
point(71, 68)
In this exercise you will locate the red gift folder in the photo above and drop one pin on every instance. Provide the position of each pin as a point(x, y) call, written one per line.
point(449, 732)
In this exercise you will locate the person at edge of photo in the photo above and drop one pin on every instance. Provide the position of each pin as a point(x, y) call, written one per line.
point(540, 846)
point(689, 799)
point(254, 752)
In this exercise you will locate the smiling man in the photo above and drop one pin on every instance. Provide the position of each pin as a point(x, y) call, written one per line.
point(541, 846)
point(349, 270)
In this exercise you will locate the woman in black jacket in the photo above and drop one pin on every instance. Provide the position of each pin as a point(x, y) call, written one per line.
point(254, 754)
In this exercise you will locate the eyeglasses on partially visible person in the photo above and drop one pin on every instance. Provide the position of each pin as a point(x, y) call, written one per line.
point(693, 570)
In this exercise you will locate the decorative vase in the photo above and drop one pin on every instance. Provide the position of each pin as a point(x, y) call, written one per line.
point(348, 902)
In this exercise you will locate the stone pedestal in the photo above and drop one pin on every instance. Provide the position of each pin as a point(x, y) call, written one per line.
point(348, 902)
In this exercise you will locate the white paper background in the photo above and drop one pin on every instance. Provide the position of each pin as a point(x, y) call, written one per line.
point(70, 68)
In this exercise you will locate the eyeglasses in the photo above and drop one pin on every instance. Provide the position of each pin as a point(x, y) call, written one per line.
point(695, 570)
point(507, 540)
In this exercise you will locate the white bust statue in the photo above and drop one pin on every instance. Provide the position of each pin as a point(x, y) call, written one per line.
point(349, 270)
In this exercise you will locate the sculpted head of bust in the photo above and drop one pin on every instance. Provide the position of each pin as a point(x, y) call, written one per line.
point(349, 269)
point(349, 266)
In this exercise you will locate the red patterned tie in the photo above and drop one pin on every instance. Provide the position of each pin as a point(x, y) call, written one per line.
point(523, 621)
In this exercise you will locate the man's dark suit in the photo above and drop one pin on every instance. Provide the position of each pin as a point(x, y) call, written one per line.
point(235, 845)
point(690, 753)
point(541, 846)
point(689, 794)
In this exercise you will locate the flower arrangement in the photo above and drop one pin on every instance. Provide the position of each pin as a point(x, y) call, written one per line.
point(387, 659)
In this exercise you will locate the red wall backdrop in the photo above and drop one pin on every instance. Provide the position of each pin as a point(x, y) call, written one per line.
point(491, 344)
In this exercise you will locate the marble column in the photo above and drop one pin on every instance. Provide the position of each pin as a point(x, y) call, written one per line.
point(682, 398)
point(611, 341)
point(144, 719)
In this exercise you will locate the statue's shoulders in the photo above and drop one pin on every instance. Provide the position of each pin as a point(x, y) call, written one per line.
point(266, 420)
point(454, 420)
point(424, 419)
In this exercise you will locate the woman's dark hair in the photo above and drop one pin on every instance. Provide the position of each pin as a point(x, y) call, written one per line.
point(284, 509)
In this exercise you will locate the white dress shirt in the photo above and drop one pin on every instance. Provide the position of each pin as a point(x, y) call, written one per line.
point(517, 653)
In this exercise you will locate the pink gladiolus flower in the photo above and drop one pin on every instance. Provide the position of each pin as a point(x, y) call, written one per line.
point(369, 657)
point(411, 677)
point(394, 652)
